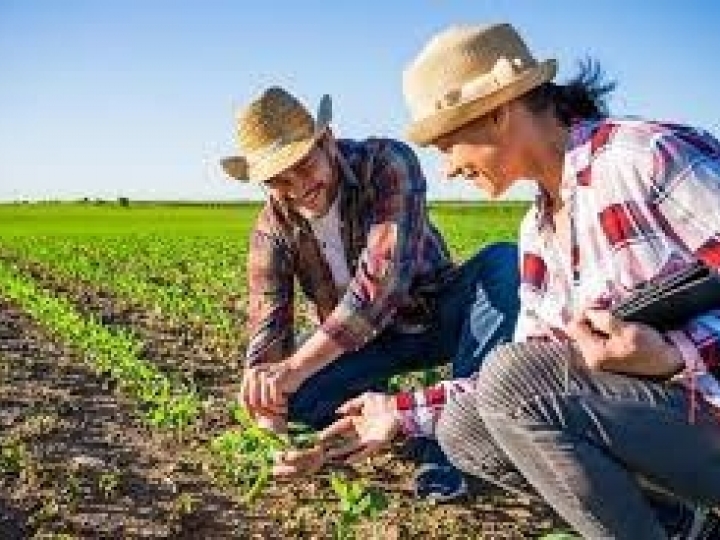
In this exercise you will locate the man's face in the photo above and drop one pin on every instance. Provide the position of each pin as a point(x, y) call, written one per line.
point(477, 152)
point(310, 185)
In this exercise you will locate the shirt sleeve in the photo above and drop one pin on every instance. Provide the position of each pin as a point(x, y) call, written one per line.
point(687, 181)
point(386, 265)
point(270, 298)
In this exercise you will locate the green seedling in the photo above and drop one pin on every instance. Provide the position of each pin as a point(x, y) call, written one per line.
point(13, 457)
point(185, 504)
point(72, 488)
point(107, 484)
point(244, 457)
point(357, 501)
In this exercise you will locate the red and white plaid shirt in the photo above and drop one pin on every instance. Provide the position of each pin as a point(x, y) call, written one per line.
point(647, 200)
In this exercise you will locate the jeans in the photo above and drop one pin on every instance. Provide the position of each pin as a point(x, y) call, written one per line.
point(589, 443)
point(475, 311)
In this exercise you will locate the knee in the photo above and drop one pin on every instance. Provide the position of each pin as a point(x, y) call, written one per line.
point(500, 275)
point(501, 255)
point(508, 378)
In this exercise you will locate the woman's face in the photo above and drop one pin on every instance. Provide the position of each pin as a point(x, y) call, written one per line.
point(480, 152)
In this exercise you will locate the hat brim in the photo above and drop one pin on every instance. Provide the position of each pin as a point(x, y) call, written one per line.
point(238, 168)
point(428, 129)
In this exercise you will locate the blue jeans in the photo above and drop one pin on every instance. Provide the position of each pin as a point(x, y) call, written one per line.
point(464, 330)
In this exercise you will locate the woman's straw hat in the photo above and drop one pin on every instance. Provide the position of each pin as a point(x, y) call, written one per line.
point(466, 72)
point(274, 132)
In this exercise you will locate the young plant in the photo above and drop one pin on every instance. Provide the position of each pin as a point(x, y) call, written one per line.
point(108, 483)
point(357, 501)
point(13, 457)
point(244, 457)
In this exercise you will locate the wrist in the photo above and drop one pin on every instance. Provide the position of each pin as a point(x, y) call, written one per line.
point(298, 370)
point(674, 359)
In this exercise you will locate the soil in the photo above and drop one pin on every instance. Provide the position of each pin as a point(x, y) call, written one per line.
point(89, 467)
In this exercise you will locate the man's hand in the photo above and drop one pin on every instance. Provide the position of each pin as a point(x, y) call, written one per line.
point(265, 388)
point(610, 344)
point(369, 423)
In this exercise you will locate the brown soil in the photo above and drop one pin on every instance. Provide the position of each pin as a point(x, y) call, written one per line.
point(79, 435)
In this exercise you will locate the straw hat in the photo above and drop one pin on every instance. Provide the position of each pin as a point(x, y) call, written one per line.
point(466, 72)
point(274, 132)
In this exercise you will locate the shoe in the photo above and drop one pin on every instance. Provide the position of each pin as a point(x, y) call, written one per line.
point(440, 483)
point(435, 479)
point(699, 523)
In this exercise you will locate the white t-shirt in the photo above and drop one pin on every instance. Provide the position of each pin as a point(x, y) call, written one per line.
point(327, 231)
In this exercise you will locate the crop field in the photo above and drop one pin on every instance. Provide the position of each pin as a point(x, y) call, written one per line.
point(122, 331)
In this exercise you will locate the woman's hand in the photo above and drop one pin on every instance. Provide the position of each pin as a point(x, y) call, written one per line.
point(610, 344)
point(368, 424)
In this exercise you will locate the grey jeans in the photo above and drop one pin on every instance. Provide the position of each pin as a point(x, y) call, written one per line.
point(585, 443)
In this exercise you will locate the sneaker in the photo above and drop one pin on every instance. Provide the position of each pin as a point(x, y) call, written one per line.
point(440, 483)
point(435, 479)
point(700, 523)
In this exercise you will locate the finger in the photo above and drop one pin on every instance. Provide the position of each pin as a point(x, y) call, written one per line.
point(264, 390)
point(275, 409)
point(281, 470)
point(343, 451)
point(340, 428)
point(365, 452)
point(582, 330)
point(277, 394)
point(352, 406)
point(253, 391)
point(602, 320)
point(242, 395)
point(591, 344)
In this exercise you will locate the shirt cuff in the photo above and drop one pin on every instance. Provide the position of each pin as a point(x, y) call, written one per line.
point(419, 411)
point(689, 352)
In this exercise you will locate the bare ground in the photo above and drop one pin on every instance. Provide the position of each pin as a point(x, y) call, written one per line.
point(94, 470)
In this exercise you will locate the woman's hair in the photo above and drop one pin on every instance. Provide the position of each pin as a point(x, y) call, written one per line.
point(583, 97)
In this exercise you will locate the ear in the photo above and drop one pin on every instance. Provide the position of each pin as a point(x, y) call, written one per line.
point(501, 119)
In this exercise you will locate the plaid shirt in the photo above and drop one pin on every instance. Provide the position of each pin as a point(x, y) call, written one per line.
point(646, 202)
point(393, 252)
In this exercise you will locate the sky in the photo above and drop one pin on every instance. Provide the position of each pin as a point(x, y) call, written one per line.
point(137, 98)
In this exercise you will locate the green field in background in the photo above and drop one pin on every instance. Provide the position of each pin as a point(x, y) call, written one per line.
point(466, 226)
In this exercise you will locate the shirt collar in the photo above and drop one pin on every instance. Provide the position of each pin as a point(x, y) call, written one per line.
point(576, 159)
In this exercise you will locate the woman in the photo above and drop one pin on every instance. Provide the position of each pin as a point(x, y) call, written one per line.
point(591, 410)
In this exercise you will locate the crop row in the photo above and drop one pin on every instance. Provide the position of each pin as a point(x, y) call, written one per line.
point(167, 403)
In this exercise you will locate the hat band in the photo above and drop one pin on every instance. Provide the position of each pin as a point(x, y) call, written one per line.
point(268, 151)
point(504, 72)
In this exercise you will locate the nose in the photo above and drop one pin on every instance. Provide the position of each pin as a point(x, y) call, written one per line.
point(450, 170)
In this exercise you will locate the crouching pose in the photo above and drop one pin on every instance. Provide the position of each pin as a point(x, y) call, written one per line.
point(597, 414)
point(347, 221)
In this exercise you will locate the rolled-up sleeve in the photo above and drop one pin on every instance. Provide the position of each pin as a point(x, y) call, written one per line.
point(387, 263)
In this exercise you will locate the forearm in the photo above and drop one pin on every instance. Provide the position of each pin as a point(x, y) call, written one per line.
point(314, 354)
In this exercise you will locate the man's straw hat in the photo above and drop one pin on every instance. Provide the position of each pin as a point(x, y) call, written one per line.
point(274, 132)
point(466, 72)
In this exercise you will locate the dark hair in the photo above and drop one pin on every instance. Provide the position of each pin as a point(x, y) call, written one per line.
point(582, 97)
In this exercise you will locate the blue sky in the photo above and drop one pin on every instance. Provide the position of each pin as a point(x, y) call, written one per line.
point(136, 98)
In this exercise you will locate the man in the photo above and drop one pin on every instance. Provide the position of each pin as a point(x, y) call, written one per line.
point(347, 220)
